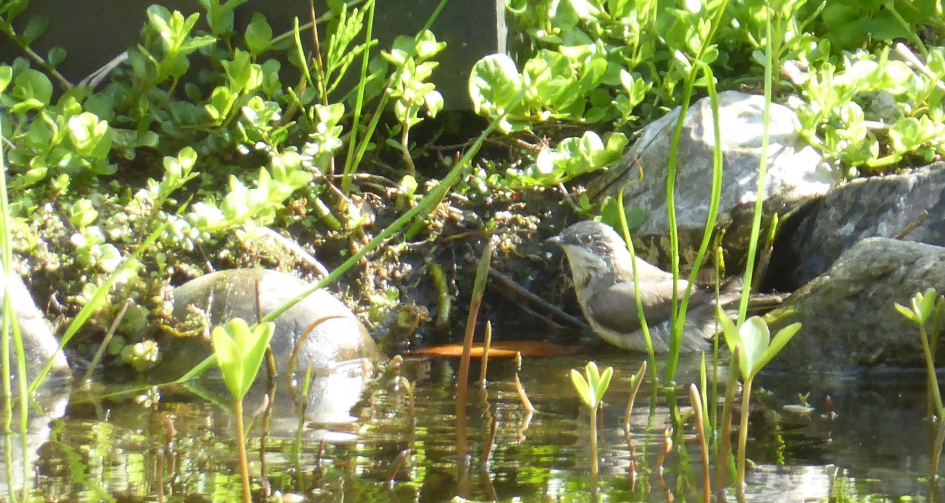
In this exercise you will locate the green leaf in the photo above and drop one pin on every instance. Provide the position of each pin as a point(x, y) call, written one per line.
point(30, 84)
point(620, 8)
point(34, 29)
point(6, 76)
point(754, 336)
point(908, 313)
point(427, 46)
point(254, 350)
point(593, 377)
point(56, 55)
point(434, 103)
point(90, 136)
point(581, 386)
point(777, 344)
point(258, 35)
point(494, 84)
point(604, 383)
point(83, 214)
point(732, 337)
point(110, 258)
point(229, 358)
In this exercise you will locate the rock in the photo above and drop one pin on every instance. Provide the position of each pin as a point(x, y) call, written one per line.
point(39, 343)
point(883, 206)
point(848, 313)
point(795, 173)
point(337, 337)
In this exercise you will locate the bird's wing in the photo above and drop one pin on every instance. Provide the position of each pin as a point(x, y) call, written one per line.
point(616, 307)
point(646, 272)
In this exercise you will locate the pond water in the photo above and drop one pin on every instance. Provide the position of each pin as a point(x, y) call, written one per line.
point(874, 446)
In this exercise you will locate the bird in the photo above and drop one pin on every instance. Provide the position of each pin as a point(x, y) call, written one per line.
point(602, 275)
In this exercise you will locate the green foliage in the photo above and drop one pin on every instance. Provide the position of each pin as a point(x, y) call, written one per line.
point(411, 58)
point(851, 103)
point(142, 355)
point(849, 24)
point(592, 385)
point(240, 352)
point(234, 140)
point(928, 313)
point(752, 341)
point(610, 62)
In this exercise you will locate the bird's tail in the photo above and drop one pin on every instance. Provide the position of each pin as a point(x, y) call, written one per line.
point(730, 294)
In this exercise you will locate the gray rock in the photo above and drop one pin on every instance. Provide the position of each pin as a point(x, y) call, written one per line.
point(795, 173)
point(337, 337)
point(39, 343)
point(884, 206)
point(848, 314)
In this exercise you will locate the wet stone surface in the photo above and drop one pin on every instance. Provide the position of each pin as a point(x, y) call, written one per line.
point(335, 335)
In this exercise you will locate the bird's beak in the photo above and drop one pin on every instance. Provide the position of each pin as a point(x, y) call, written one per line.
point(555, 240)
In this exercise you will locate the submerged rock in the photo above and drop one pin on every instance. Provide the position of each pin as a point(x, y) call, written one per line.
point(909, 205)
point(39, 343)
point(795, 173)
point(336, 336)
point(848, 313)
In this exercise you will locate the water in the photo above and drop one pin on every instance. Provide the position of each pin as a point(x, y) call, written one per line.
point(876, 446)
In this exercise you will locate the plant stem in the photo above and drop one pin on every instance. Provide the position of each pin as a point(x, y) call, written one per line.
point(241, 451)
point(937, 451)
point(762, 175)
point(930, 368)
point(678, 316)
point(725, 439)
point(594, 444)
point(650, 352)
point(404, 149)
point(479, 289)
point(350, 159)
point(696, 400)
point(743, 433)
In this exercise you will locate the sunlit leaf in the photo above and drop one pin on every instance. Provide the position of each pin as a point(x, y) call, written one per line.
point(777, 344)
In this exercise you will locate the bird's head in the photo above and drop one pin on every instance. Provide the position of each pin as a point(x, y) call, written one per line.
point(595, 251)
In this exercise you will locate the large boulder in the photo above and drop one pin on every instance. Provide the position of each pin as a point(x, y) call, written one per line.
point(848, 313)
point(336, 335)
point(907, 206)
point(795, 174)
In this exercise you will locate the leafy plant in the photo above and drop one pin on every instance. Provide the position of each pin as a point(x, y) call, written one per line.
point(751, 344)
point(591, 388)
point(411, 58)
point(239, 351)
point(927, 311)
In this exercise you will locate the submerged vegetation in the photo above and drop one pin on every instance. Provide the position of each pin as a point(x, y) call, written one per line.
point(119, 187)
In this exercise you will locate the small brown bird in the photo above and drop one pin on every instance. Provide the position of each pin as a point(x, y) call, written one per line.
point(602, 273)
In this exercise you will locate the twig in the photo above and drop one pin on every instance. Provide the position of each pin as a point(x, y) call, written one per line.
point(509, 284)
point(106, 340)
point(913, 225)
point(903, 50)
point(95, 78)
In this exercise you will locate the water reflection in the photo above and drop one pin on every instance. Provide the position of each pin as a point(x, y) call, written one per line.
point(353, 438)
